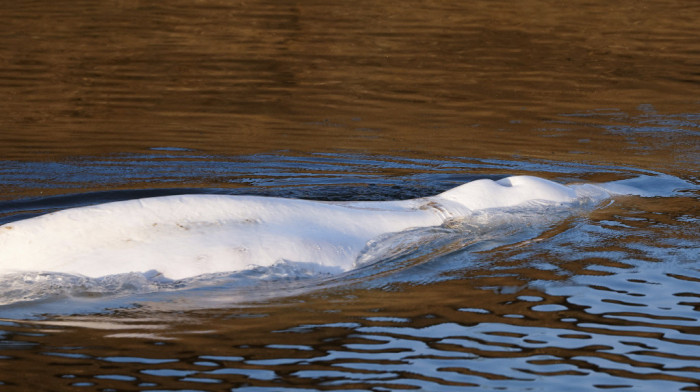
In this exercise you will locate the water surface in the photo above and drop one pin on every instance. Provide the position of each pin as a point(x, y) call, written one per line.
point(363, 101)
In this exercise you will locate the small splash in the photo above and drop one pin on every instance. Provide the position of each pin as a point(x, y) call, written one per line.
point(40, 286)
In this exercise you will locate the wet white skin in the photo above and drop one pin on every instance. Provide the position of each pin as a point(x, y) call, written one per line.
point(190, 235)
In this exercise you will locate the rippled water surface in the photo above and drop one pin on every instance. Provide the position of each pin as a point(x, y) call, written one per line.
point(121, 99)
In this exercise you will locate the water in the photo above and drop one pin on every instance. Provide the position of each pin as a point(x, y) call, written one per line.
point(363, 101)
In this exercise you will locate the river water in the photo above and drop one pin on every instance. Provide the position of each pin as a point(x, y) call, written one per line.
point(121, 99)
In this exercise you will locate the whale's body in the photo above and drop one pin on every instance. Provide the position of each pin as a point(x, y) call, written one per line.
point(189, 235)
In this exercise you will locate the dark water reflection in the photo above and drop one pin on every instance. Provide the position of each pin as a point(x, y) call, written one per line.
point(112, 100)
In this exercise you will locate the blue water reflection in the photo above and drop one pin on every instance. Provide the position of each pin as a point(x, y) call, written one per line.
point(592, 298)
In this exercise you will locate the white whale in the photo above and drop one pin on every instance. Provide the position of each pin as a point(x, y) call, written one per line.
point(189, 235)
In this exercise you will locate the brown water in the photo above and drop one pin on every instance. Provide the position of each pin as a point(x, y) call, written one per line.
point(118, 99)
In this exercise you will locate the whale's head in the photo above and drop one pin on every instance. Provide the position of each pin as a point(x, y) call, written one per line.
point(508, 192)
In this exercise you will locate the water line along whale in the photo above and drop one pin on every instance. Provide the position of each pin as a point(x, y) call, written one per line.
point(189, 235)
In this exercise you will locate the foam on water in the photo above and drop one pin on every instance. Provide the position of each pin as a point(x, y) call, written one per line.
point(165, 243)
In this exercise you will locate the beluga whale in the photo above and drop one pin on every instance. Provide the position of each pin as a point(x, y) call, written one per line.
point(184, 236)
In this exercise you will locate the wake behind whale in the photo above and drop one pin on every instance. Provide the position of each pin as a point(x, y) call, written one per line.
point(174, 238)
